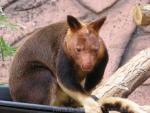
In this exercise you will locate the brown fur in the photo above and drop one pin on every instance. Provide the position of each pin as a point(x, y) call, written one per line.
point(55, 60)
point(120, 104)
point(92, 49)
point(22, 71)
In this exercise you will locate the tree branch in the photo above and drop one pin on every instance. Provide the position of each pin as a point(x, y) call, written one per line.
point(127, 78)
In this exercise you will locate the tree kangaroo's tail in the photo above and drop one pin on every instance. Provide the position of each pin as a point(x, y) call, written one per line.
point(120, 104)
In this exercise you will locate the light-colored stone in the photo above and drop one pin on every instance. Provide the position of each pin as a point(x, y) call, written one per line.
point(137, 44)
point(142, 94)
point(3, 2)
point(97, 5)
point(46, 14)
point(4, 67)
point(117, 32)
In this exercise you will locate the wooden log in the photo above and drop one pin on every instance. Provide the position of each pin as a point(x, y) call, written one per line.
point(126, 79)
point(141, 14)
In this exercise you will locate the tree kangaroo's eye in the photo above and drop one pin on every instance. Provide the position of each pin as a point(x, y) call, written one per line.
point(95, 49)
point(78, 49)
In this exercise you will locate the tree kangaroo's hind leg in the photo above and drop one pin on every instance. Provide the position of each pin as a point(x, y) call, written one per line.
point(35, 87)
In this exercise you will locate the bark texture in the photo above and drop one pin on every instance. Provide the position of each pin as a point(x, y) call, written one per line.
point(127, 78)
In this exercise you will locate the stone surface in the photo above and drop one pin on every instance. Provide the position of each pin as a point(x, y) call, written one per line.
point(4, 67)
point(137, 44)
point(117, 31)
point(97, 5)
point(23, 5)
point(50, 12)
point(142, 94)
point(3, 2)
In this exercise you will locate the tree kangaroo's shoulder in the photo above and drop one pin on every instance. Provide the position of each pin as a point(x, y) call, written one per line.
point(50, 33)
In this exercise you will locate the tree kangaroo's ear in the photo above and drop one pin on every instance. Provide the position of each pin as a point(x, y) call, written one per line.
point(73, 23)
point(96, 25)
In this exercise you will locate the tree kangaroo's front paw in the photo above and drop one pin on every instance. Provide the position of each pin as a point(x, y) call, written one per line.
point(91, 106)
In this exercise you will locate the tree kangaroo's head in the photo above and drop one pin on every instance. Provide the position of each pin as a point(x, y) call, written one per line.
point(83, 43)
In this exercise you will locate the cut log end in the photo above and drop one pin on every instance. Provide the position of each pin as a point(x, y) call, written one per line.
point(141, 14)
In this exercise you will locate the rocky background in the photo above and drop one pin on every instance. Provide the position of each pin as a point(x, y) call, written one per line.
point(122, 37)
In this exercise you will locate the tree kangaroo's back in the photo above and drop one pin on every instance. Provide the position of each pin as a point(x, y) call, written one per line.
point(35, 63)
